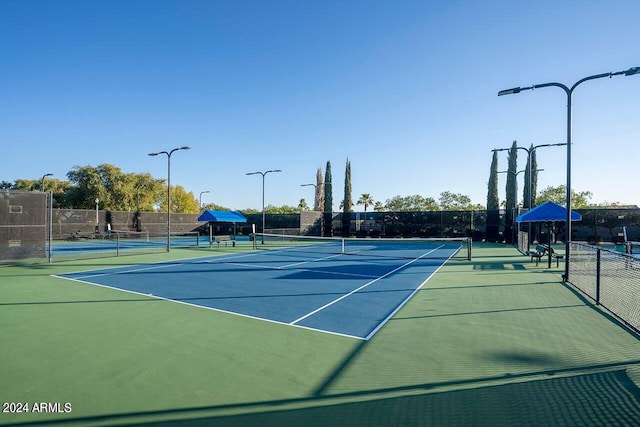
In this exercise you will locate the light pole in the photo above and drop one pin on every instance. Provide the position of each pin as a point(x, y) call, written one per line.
point(315, 187)
point(169, 189)
point(42, 180)
point(569, 92)
point(529, 153)
point(201, 193)
point(530, 194)
point(263, 175)
point(97, 222)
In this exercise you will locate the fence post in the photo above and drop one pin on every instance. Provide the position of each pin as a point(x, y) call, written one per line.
point(598, 276)
point(50, 225)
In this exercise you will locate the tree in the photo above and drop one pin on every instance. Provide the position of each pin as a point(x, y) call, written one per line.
point(284, 209)
point(214, 207)
point(5, 185)
point(114, 189)
point(411, 203)
point(559, 195)
point(534, 178)
point(328, 201)
point(318, 205)
point(457, 202)
point(511, 192)
point(87, 187)
point(366, 200)
point(250, 211)
point(533, 167)
point(378, 207)
point(27, 184)
point(493, 202)
point(181, 201)
point(302, 205)
point(347, 202)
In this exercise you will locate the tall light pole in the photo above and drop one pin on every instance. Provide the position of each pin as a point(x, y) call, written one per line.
point(97, 221)
point(315, 193)
point(315, 198)
point(201, 193)
point(42, 180)
point(169, 189)
point(263, 175)
point(569, 92)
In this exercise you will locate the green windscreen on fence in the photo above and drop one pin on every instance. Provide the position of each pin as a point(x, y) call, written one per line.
point(23, 229)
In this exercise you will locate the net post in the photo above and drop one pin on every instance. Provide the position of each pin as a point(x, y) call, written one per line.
point(50, 225)
point(117, 244)
point(253, 231)
point(469, 245)
point(598, 260)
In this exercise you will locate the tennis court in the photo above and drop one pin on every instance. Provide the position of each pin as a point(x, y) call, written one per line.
point(498, 336)
point(309, 283)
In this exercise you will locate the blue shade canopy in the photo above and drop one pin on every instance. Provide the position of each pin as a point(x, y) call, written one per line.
point(221, 216)
point(548, 212)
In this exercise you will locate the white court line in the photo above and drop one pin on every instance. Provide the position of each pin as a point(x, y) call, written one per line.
point(329, 304)
point(406, 300)
point(270, 267)
point(209, 259)
point(311, 260)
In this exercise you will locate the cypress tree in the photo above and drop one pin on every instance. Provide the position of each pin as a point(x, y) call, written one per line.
point(328, 201)
point(534, 178)
point(493, 202)
point(511, 192)
point(347, 202)
point(319, 201)
point(525, 190)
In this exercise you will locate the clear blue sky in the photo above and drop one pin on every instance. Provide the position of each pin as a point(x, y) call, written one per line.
point(406, 90)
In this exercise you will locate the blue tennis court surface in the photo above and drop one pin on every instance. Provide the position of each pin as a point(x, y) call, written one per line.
point(341, 294)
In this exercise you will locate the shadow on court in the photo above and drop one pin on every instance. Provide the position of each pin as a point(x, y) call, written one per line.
point(591, 399)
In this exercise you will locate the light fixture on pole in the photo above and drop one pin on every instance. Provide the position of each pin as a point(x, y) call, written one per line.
point(201, 193)
point(263, 175)
point(42, 180)
point(569, 92)
point(169, 189)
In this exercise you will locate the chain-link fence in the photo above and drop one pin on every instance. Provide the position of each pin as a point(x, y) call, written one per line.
point(610, 278)
point(23, 219)
point(23, 224)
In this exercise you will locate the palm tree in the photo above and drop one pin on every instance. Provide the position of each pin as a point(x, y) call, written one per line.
point(366, 200)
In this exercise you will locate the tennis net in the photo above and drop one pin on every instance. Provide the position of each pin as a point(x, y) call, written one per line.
point(145, 239)
point(119, 242)
point(409, 248)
